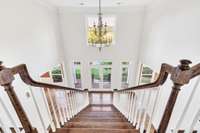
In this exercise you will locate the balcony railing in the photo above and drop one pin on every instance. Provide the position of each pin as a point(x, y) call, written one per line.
point(137, 103)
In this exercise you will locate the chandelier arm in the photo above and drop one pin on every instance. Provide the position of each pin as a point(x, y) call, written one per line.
point(99, 6)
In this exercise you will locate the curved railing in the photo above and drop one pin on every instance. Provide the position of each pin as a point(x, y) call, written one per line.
point(141, 105)
point(71, 94)
point(138, 108)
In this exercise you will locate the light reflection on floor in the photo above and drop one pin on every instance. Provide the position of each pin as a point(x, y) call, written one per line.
point(101, 108)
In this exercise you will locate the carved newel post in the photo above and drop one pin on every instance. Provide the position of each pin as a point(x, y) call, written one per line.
point(6, 79)
point(180, 76)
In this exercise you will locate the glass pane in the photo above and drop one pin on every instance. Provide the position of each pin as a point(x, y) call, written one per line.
point(77, 74)
point(57, 78)
point(106, 63)
point(146, 70)
point(56, 70)
point(124, 77)
point(106, 77)
point(146, 76)
point(95, 77)
point(101, 62)
point(146, 79)
point(57, 75)
point(125, 63)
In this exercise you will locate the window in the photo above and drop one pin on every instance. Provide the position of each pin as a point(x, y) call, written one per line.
point(125, 72)
point(146, 75)
point(125, 63)
point(77, 74)
point(101, 74)
point(57, 74)
point(109, 22)
point(107, 77)
point(95, 77)
point(101, 63)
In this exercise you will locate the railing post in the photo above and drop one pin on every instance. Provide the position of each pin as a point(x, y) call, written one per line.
point(180, 76)
point(169, 108)
point(6, 79)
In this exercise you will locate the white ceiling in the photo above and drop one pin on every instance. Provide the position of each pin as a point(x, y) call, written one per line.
point(94, 3)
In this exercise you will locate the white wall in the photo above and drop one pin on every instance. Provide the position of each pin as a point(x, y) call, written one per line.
point(172, 33)
point(29, 34)
point(129, 22)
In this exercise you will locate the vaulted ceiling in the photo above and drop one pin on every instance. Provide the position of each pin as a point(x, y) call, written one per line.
point(94, 3)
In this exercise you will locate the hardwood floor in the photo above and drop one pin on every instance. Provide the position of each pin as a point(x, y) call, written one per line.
point(98, 119)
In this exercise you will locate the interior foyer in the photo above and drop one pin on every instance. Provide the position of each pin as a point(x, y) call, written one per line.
point(53, 80)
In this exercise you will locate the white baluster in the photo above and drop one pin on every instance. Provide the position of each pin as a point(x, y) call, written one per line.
point(152, 113)
point(146, 107)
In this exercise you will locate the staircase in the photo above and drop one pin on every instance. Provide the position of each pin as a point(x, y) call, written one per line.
point(136, 104)
point(98, 119)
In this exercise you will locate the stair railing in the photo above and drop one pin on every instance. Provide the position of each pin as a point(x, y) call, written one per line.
point(59, 112)
point(138, 103)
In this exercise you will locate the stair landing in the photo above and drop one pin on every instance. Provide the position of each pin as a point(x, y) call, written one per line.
point(98, 119)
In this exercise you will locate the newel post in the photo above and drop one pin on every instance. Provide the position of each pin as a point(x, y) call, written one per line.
point(6, 79)
point(180, 76)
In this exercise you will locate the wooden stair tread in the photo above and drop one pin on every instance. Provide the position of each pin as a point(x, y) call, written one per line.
point(98, 114)
point(98, 119)
point(95, 130)
point(116, 125)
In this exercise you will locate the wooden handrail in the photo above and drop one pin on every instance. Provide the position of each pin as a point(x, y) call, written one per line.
point(164, 71)
point(6, 79)
point(180, 75)
point(25, 76)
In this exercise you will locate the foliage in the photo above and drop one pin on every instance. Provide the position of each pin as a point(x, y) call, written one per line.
point(56, 70)
point(147, 70)
point(95, 73)
point(78, 73)
point(107, 74)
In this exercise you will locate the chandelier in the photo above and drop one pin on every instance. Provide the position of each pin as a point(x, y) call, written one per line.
point(100, 34)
